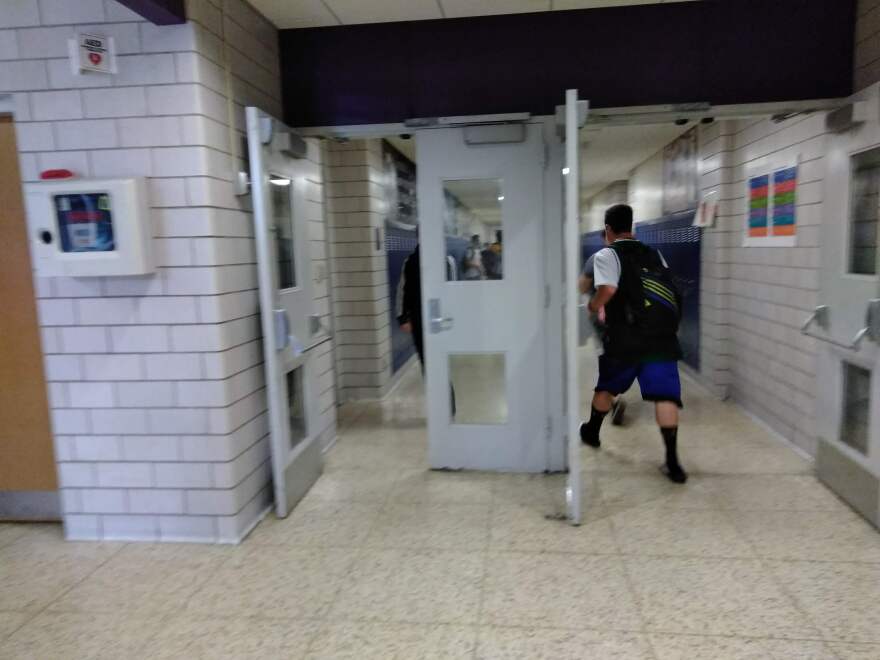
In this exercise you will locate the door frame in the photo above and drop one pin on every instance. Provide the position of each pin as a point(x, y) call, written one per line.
point(30, 491)
point(571, 257)
point(553, 210)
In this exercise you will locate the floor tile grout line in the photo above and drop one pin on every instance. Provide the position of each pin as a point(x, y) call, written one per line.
point(484, 577)
point(344, 580)
point(779, 585)
point(474, 626)
point(759, 637)
point(630, 583)
point(45, 608)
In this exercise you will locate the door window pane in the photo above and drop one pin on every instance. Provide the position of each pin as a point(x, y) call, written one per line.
point(472, 223)
point(477, 389)
point(283, 220)
point(296, 407)
point(856, 405)
point(864, 211)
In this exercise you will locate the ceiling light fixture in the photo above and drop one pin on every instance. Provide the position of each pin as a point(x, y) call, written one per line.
point(279, 181)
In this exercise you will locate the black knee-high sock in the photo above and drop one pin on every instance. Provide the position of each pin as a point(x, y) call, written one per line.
point(590, 430)
point(670, 439)
point(673, 468)
point(596, 418)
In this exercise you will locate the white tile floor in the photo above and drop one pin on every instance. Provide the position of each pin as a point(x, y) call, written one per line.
point(752, 559)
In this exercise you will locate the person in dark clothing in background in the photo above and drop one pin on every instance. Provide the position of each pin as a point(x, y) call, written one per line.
point(409, 309)
point(409, 302)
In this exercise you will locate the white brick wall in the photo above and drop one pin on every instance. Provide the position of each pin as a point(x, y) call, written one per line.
point(593, 211)
point(360, 274)
point(156, 383)
point(754, 299)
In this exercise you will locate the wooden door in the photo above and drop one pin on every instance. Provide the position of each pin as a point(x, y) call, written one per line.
point(27, 461)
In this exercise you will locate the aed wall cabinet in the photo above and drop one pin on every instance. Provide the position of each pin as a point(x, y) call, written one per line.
point(86, 227)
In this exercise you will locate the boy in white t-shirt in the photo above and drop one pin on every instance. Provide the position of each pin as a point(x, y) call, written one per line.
point(640, 307)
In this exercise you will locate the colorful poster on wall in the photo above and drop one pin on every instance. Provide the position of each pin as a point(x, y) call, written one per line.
point(759, 205)
point(784, 199)
point(771, 192)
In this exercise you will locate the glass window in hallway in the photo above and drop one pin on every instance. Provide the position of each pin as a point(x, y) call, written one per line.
point(856, 404)
point(473, 227)
point(864, 211)
point(478, 388)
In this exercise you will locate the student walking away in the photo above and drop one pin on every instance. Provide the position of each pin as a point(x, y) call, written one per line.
point(586, 285)
point(409, 302)
point(642, 311)
point(472, 263)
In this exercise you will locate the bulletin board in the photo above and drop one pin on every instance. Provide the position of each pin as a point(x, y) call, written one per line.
point(681, 174)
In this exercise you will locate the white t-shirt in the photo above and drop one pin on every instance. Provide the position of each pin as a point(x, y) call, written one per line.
point(606, 266)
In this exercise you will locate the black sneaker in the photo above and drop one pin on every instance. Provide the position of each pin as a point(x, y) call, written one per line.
point(589, 437)
point(618, 408)
point(674, 473)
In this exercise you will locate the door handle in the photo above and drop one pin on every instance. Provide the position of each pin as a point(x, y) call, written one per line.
point(438, 322)
point(871, 329)
point(819, 317)
point(282, 329)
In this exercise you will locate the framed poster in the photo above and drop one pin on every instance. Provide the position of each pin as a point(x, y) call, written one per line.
point(758, 190)
point(771, 204)
point(399, 189)
point(681, 174)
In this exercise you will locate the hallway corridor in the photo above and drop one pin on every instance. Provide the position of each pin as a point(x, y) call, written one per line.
point(752, 559)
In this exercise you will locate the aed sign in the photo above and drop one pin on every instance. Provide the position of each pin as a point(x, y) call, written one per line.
point(93, 52)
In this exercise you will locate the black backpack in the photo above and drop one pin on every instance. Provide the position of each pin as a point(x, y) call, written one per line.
point(645, 313)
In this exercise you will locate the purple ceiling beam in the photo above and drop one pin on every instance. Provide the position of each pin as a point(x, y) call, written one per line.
point(160, 12)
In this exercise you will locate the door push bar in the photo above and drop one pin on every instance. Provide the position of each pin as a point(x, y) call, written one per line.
point(283, 338)
point(282, 329)
point(871, 330)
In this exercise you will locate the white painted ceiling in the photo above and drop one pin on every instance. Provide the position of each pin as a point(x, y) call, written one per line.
point(322, 13)
point(613, 151)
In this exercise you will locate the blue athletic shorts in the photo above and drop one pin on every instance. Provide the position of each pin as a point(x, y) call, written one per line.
point(658, 380)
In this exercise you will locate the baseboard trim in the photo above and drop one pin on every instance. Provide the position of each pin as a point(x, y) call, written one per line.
point(30, 505)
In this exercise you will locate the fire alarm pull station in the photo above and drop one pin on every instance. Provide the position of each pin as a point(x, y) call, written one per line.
point(85, 227)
